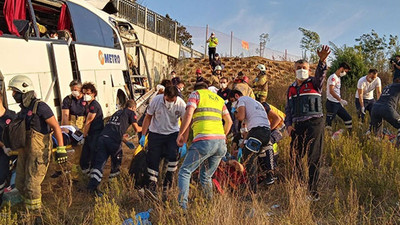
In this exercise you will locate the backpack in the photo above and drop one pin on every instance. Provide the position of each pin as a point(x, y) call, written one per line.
point(14, 134)
point(138, 168)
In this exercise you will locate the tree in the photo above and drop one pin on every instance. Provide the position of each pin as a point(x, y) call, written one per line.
point(264, 38)
point(351, 56)
point(183, 37)
point(373, 48)
point(393, 46)
point(310, 42)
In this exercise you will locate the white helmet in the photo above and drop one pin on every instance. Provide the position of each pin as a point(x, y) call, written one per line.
point(261, 67)
point(22, 83)
point(218, 68)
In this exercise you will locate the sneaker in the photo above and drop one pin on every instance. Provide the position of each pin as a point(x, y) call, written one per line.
point(270, 179)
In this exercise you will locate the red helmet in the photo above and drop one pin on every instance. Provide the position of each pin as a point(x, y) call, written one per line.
point(198, 71)
point(245, 79)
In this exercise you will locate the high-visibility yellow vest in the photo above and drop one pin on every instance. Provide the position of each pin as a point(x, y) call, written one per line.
point(207, 118)
point(213, 42)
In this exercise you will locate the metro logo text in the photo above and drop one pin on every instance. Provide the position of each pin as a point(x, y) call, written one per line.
point(109, 58)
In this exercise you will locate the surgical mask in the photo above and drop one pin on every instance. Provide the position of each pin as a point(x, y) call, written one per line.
point(302, 74)
point(75, 93)
point(87, 98)
point(370, 80)
point(169, 105)
point(223, 85)
point(243, 130)
point(18, 97)
point(234, 104)
point(342, 74)
point(181, 89)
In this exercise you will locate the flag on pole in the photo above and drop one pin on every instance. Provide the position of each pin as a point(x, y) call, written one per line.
point(245, 45)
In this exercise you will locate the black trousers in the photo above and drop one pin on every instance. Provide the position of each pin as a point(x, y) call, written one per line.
point(333, 109)
point(4, 172)
point(88, 152)
point(382, 112)
point(211, 54)
point(106, 147)
point(307, 139)
point(250, 159)
point(368, 104)
point(162, 146)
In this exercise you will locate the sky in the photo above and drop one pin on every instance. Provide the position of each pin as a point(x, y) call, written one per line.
point(339, 21)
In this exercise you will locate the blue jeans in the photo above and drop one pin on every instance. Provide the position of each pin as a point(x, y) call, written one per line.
point(208, 154)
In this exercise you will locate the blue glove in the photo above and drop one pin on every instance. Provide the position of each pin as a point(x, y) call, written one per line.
point(142, 140)
point(240, 154)
point(130, 145)
point(233, 110)
point(182, 150)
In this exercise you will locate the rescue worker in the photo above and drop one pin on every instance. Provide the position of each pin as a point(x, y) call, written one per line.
point(215, 62)
point(34, 158)
point(73, 107)
point(223, 91)
point(208, 146)
point(304, 121)
point(6, 116)
point(212, 46)
point(257, 139)
point(217, 74)
point(268, 159)
point(199, 78)
point(242, 86)
point(365, 88)
point(260, 84)
point(93, 127)
point(395, 63)
point(335, 104)
point(180, 86)
point(109, 144)
point(174, 78)
point(162, 124)
point(385, 109)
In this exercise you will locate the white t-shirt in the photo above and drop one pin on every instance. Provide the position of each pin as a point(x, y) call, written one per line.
point(255, 113)
point(335, 81)
point(367, 87)
point(164, 120)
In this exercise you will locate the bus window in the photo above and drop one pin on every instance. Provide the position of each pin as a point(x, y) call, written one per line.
point(91, 29)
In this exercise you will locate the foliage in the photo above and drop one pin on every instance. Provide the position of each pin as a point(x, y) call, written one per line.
point(183, 37)
point(351, 56)
point(264, 38)
point(310, 43)
point(373, 48)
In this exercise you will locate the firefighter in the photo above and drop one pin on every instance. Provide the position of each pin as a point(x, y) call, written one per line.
point(260, 84)
point(304, 119)
point(259, 133)
point(73, 107)
point(241, 85)
point(34, 158)
point(199, 78)
point(93, 126)
point(6, 116)
point(217, 74)
point(109, 144)
point(162, 124)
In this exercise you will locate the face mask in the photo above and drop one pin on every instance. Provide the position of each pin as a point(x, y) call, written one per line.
point(87, 98)
point(224, 85)
point(301, 74)
point(243, 130)
point(342, 74)
point(75, 93)
point(169, 105)
point(18, 97)
point(234, 104)
point(181, 89)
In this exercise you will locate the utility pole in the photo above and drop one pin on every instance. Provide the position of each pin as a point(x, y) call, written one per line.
point(231, 43)
point(205, 45)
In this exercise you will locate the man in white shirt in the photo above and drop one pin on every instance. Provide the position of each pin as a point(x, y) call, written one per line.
point(259, 132)
point(162, 122)
point(335, 104)
point(365, 88)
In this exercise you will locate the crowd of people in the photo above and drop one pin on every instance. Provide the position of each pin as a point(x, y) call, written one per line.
point(220, 110)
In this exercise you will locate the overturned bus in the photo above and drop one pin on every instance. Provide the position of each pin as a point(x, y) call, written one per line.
point(54, 42)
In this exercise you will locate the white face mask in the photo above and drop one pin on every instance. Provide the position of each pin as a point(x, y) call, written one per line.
point(243, 130)
point(342, 74)
point(302, 74)
point(224, 85)
point(87, 98)
point(75, 93)
point(234, 104)
point(181, 89)
point(169, 105)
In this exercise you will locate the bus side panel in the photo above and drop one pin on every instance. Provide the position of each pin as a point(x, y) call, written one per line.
point(99, 58)
point(64, 71)
point(104, 91)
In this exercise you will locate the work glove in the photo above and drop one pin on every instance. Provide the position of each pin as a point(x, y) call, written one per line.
point(130, 145)
point(233, 110)
point(363, 110)
point(343, 102)
point(182, 150)
point(61, 155)
point(142, 140)
point(6, 150)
